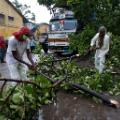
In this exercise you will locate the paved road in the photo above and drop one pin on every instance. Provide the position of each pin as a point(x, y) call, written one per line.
point(4, 71)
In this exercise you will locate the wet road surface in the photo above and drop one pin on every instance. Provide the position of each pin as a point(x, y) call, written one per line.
point(79, 107)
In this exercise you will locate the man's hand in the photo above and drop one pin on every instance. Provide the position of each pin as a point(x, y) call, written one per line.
point(92, 48)
point(32, 67)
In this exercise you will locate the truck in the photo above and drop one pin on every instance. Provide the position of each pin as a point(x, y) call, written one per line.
point(61, 25)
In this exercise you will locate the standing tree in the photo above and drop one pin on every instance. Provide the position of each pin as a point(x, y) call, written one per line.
point(24, 9)
point(97, 12)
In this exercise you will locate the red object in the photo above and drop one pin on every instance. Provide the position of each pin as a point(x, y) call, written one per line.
point(25, 31)
point(22, 31)
point(61, 22)
point(2, 42)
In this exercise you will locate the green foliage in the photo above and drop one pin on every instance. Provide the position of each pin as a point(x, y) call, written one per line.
point(47, 3)
point(103, 12)
point(114, 54)
point(85, 76)
point(97, 12)
point(93, 80)
point(37, 48)
point(109, 15)
point(82, 40)
point(27, 98)
point(24, 9)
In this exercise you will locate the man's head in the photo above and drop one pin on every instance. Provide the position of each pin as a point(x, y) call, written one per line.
point(102, 31)
point(23, 34)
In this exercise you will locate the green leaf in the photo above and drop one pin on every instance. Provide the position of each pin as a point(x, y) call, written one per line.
point(29, 89)
point(2, 117)
point(13, 106)
point(17, 98)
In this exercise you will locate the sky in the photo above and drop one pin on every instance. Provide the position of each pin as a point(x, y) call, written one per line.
point(41, 12)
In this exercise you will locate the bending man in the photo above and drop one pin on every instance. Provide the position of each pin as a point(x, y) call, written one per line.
point(18, 44)
point(100, 42)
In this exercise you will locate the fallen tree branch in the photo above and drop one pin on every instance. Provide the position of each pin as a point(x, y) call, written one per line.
point(20, 81)
point(105, 99)
point(61, 59)
point(40, 73)
point(55, 83)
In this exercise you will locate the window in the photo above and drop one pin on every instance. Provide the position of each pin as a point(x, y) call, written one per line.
point(54, 26)
point(10, 19)
point(70, 24)
point(2, 19)
point(64, 24)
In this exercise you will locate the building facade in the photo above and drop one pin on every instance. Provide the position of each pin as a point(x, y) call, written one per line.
point(10, 18)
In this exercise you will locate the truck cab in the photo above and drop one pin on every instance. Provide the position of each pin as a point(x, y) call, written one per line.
point(61, 25)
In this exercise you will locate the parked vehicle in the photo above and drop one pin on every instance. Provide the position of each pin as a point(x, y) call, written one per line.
point(61, 25)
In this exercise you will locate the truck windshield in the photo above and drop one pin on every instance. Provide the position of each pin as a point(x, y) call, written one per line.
point(70, 25)
point(64, 25)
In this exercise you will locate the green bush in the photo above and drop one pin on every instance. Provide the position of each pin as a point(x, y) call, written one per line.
point(114, 54)
point(82, 40)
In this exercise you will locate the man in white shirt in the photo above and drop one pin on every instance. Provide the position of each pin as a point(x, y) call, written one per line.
point(100, 42)
point(17, 46)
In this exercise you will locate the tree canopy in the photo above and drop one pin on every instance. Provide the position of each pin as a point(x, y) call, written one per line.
point(97, 12)
point(25, 10)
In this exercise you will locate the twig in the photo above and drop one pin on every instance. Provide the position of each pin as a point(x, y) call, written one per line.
point(7, 98)
point(3, 86)
point(51, 80)
point(115, 73)
point(20, 81)
point(61, 59)
point(58, 83)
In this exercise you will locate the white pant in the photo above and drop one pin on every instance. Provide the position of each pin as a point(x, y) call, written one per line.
point(18, 71)
point(99, 63)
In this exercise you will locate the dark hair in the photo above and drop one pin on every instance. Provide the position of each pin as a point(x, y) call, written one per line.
point(102, 31)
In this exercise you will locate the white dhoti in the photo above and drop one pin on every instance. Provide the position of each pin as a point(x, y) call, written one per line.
point(18, 71)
